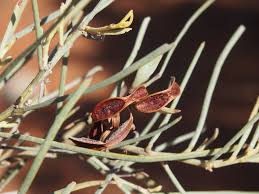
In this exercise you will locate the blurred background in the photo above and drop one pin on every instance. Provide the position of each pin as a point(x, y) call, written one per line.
point(234, 97)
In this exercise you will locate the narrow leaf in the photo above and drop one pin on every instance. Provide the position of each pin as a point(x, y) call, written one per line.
point(144, 73)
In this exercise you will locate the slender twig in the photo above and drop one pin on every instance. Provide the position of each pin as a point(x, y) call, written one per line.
point(149, 135)
point(132, 185)
point(105, 183)
point(158, 157)
point(98, 164)
point(175, 141)
point(60, 52)
point(63, 77)
point(17, 63)
point(113, 79)
point(182, 86)
point(127, 154)
point(134, 52)
point(12, 25)
point(150, 124)
point(60, 118)
point(256, 134)
point(212, 84)
point(254, 140)
point(69, 188)
point(34, 149)
point(179, 37)
point(246, 133)
point(39, 33)
point(38, 29)
point(10, 174)
point(235, 138)
point(47, 100)
point(131, 58)
point(84, 185)
point(138, 41)
point(118, 76)
point(26, 30)
point(208, 141)
point(173, 178)
point(176, 42)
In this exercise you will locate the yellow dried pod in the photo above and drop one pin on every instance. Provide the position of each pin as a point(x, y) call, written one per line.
point(112, 29)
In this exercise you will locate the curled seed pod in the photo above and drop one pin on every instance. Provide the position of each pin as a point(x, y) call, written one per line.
point(121, 133)
point(112, 106)
point(108, 138)
point(87, 142)
point(108, 108)
point(155, 102)
point(138, 93)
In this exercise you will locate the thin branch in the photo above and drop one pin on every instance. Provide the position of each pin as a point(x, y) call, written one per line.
point(256, 134)
point(132, 185)
point(104, 184)
point(235, 138)
point(113, 79)
point(17, 63)
point(246, 133)
point(182, 86)
point(60, 52)
point(149, 135)
point(69, 188)
point(38, 29)
point(134, 52)
point(175, 141)
point(158, 157)
point(60, 118)
point(54, 15)
point(84, 185)
point(10, 174)
point(212, 84)
point(173, 178)
point(63, 77)
point(6, 43)
point(176, 42)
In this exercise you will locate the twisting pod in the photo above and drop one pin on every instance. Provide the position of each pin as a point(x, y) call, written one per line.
point(157, 101)
point(115, 137)
point(121, 133)
point(108, 108)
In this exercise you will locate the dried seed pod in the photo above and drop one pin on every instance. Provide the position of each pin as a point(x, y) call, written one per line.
point(121, 133)
point(155, 102)
point(108, 138)
point(138, 93)
point(108, 108)
point(87, 142)
point(112, 106)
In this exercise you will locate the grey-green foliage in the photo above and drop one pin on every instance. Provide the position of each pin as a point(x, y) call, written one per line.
point(148, 70)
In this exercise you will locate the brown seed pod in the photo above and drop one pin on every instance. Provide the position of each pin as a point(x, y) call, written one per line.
point(121, 133)
point(109, 138)
point(112, 106)
point(87, 142)
point(155, 102)
point(109, 107)
point(138, 93)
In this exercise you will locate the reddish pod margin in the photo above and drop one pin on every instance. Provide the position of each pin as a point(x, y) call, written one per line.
point(155, 102)
point(108, 108)
point(115, 137)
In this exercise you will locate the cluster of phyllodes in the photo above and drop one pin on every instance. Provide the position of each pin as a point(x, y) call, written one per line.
point(107, 130)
